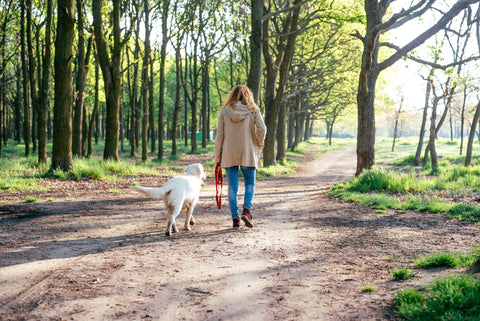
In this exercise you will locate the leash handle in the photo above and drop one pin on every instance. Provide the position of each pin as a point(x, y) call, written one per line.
point(218, 188)
point(218, 185)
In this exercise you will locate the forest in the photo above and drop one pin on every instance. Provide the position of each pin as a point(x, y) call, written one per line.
point(138, 73)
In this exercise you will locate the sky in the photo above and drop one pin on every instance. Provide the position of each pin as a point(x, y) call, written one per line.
point(405, 76)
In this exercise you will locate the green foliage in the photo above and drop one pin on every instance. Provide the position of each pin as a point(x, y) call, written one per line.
point(448, 298)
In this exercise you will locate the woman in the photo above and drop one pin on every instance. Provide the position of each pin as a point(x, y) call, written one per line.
point(240, 137)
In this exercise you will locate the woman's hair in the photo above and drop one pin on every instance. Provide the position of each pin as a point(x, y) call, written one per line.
point(243, 94)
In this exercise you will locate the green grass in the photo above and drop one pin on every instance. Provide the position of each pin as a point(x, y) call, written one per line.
point(401, 274)
point(381, 189)
point(448, 259)
point(24, 174)
point(368, 287)
point(448, 298)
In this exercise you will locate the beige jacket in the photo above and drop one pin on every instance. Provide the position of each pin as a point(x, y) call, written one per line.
point(240, 136)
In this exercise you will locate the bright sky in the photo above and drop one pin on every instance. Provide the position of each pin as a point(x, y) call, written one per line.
point(406, 73)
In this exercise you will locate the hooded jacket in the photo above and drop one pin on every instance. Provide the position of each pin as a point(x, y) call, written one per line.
point(240, 136)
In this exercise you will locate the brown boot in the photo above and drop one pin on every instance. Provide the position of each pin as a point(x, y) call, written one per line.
point(247, 217)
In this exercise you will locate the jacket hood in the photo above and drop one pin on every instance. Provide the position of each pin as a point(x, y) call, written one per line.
point(237, 112)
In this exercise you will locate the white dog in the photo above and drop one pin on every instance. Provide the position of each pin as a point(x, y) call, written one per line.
point(179, 193)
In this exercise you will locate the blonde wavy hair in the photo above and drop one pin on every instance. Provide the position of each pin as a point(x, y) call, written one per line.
point(243, 94)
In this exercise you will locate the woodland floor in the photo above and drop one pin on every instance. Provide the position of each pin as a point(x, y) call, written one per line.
point(94, 255)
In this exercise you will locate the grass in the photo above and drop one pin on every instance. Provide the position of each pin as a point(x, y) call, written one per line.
point(401, 274)
point(447, 298)
point(368, 287)
point(448, 259)
point(24, 174)
point(381, 189)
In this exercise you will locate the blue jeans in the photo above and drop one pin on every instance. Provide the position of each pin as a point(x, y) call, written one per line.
point(249, 180)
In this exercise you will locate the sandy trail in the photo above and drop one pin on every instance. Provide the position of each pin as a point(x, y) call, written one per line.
point(105, 257)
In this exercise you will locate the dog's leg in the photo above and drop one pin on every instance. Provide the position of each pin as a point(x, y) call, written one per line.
point(189, 220)
point(172, 226)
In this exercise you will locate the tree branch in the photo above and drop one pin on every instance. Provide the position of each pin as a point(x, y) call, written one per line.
point(442, 22)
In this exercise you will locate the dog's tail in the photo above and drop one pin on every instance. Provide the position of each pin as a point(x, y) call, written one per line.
point(152, 192)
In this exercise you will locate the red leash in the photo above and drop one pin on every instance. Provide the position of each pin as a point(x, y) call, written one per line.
point(218, 188)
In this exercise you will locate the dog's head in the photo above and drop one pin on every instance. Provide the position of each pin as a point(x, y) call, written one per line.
point(196, 170)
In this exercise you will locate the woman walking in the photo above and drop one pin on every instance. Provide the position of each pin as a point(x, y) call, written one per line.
point(240, 138)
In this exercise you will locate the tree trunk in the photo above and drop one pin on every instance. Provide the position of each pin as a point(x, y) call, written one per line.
point(471, 137)
point(462, 124)
point(161, 101)
point(272, 104)
point(145, 77)
point(395, 131)
point(256, 43)
point(26, 93)
point(32, 75)
point(111, 75)
point(281, 134)
point(424, 118)
point(178, 88)
point(93, 119)
point(370, 69)
point(79, 83)
point(43, 95)
point(62, 122)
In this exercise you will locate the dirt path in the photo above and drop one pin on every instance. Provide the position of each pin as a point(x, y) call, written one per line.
point(104, 256)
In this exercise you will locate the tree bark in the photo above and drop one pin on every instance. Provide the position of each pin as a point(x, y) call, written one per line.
point(471, 137)
point(256, 48)
point(26, 93)
point(43, 95)
point(62, 122)
point(424, 119)
point(161, 101)
point(111, 74)
point(145, 77)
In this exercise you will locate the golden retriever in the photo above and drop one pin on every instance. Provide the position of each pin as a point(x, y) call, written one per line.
point(180, 193)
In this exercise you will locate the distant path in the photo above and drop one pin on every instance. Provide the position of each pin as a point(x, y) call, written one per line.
point(307, 258)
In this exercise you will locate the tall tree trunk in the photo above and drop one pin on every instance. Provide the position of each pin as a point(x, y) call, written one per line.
point(256, 48)
point(31, 74)
point(471, 137)
point(424, 118)
point(145, 77)
point(79, 83)
point(273, 106)
point(94, 116)
point(151, 111)
point(462, 124)
point(178, 88)
point(395, 130)
point(43, 95)
point(161, 101)
point(205, 82)
point(62, 122)
point(26, 93)
point(281, 133)
point(111, 74)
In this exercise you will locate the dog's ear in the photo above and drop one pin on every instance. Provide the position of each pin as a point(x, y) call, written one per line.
point(201, 172)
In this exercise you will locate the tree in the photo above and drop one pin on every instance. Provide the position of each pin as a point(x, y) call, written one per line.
point(370, 68)
point(256, 48)
point(62, 123)
point(42, 113)
point(112, 76)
